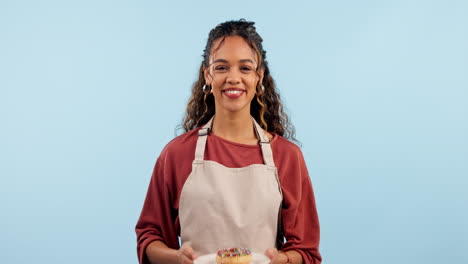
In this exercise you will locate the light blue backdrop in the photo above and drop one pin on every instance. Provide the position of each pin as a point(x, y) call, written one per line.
point(91, 91)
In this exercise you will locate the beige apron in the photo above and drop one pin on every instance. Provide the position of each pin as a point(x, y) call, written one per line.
point(223, 207)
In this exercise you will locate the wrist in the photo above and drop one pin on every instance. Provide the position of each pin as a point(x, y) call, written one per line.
point(158, 252)
point(285, 258)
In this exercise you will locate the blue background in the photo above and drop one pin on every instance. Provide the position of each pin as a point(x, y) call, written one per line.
point(91, 91)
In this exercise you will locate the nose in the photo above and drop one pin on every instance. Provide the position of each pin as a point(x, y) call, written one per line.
point(233, 77)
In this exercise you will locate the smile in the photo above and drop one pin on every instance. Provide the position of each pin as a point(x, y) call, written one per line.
point(233, 93)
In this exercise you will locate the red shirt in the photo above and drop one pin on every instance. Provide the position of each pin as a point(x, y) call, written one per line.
point(159, 217)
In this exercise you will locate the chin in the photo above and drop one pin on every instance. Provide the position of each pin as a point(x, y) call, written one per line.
point(233, 109)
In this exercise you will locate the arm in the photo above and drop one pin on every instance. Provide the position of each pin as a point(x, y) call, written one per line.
point(299, 213)
point(281, 257)
point(158, 252)
point(157, 219)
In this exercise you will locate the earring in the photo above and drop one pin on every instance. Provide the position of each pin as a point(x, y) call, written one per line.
point(263, 89)
point(204, 88)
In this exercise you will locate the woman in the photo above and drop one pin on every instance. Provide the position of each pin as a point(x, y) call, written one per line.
point(233, 179)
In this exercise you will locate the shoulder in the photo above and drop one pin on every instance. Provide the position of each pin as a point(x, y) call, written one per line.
point(286, 154)
point(181, 143)
point(281, 144)
point(290, 162)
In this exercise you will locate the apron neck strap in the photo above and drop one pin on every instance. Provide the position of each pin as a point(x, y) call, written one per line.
point(263, 141)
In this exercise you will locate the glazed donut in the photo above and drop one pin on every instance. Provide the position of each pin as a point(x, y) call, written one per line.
point(234, 256)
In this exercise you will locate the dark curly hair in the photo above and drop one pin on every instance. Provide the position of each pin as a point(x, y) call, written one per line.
point(266, 109)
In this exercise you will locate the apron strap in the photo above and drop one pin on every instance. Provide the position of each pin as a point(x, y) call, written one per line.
point(263, 141)
point(201, 141)
point(264, 144)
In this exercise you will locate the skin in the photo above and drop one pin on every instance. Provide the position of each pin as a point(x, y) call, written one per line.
point(232, 122)
point(233, 64)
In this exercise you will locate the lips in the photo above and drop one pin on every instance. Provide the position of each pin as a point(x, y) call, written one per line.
point(233, 93)
point(233, 89)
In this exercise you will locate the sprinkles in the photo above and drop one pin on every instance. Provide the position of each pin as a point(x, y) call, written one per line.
point(234, 252)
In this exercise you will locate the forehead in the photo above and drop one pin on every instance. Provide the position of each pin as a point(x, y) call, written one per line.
point(233, 48)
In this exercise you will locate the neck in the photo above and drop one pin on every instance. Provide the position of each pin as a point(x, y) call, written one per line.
point(234, 126)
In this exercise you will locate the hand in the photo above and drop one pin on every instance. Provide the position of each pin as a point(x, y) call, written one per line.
point(274, 256)
point(186, 255)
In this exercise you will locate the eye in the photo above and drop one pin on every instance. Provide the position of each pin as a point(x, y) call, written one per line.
point(220, 68)
point(245, 68)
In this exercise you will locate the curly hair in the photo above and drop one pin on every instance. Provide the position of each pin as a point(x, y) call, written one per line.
point(266, 109)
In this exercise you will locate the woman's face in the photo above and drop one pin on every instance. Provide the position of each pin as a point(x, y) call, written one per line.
point(232, 75)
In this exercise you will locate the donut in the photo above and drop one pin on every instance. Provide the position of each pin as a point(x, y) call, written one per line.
point(234, 256)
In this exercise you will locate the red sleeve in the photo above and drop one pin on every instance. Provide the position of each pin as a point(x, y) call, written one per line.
point(299, 214)
point(157, 219)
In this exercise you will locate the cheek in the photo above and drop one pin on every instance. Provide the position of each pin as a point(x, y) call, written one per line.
point(251, 79)
point(218, 79)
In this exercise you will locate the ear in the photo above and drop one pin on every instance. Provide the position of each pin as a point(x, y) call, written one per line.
point(206, 74)
point(261, 74)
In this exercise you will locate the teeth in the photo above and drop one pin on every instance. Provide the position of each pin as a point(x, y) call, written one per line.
point(233, 92)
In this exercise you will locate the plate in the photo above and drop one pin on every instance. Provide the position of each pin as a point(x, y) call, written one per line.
point(257, 258)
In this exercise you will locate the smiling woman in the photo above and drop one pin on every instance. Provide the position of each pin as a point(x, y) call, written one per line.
point(232, 76)
point(246, 43)
point(233, 179)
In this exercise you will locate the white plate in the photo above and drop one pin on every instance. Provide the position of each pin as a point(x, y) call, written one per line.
point(257, 258)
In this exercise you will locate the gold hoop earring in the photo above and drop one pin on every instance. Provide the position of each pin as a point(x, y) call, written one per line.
point(204, 89)
point(263, 90)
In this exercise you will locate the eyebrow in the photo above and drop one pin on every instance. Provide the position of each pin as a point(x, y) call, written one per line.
point(241, 61)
